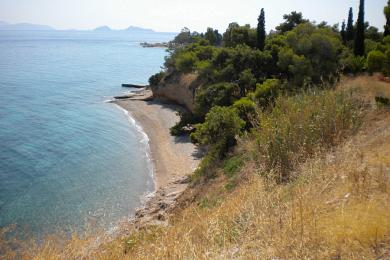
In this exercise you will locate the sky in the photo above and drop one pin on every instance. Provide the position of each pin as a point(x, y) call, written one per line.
point(172, 15)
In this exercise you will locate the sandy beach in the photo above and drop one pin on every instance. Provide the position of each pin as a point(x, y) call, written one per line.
point(173, 157)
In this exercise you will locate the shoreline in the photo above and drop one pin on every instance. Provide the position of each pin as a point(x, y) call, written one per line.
point(173, 158)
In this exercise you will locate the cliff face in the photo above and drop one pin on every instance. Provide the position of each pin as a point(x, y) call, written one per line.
point(178, 88)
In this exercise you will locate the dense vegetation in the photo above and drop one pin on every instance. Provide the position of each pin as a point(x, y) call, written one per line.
point(245, 70)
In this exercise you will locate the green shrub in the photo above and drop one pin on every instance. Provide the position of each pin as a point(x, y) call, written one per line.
point(351, 63)
point(156, 78)
point(185, 119)
point(209, 164)
point(382, 101)
point(221, 127)
point(233, 165)
point(266, 93)
point(246, 110)
point(186, 61)
point(311, 55)
point(220, 94)
point(386, 65)
point(219, 132)
point(375, 61)
point(246, 81)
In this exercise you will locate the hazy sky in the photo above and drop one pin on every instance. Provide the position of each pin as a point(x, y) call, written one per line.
point(172, 15)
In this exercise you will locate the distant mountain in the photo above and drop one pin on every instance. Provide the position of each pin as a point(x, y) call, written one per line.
point(138, 29)
point(24, 27)
point(103, 29)
point(132, 29)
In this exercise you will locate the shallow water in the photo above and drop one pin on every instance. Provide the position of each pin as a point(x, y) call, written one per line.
point(67, 158)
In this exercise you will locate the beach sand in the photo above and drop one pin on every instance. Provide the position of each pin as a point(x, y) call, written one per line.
point(173, 157)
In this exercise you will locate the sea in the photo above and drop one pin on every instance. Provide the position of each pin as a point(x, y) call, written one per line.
point(70, 160)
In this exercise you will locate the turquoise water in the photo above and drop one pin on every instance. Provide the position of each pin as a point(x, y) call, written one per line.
point(67, 158)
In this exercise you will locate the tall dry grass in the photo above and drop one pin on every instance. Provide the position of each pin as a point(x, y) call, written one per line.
point(299, 126)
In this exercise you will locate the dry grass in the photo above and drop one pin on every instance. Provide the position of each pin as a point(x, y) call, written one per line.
point(336, 207)
point(339, 207)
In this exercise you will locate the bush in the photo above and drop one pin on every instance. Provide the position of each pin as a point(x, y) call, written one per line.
point(386, 66)
point(382, 101)
point(246, 110)
point(238, 35)
point(351, 63)
point(220, 94)
point(311, 55)
point(233, 165)
point(219, 132)
point(186, 61)
point(246, 81)
point(156, 78)
point(185, 120)
point(375, 61)
point(300, 125)
point(221, 127)
point(266, 93)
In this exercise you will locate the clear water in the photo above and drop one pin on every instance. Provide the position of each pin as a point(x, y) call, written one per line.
point(67, 158)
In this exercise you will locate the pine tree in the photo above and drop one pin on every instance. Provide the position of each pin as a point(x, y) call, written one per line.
point(343, 32)
point(387, 14)
point(350, 31)
point(261, 31)
point(359, 37)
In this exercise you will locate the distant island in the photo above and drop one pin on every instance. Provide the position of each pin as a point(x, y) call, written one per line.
point(132, 29)
point(4, 26)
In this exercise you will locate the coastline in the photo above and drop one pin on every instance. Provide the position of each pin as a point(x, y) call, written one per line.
point(173, 158)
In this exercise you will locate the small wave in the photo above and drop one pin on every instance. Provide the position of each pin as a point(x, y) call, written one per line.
point(145, 141)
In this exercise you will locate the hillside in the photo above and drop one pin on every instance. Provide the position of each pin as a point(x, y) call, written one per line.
point(336, 204)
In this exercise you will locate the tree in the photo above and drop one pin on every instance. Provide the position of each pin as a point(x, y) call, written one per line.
point(360, 28)
point(210, 36)
point(311, 55)
point(184, 37)
point(387, 14)
point(219, 38)
point(213, 36)
point(373, 33)
point(266, 93)
point(246, 110)
point(220, 94)
point(350, 30)
point(186, 62)
point(375, 61)
point(343, 32)
point(238, 35)
point(220, 128)
point(292, 20)
point(261, 31)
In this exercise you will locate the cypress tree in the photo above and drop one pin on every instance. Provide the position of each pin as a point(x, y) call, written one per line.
point(261, 31)
point(343, 33)
point(359, 38)
point(350, 31)
point(387, 14)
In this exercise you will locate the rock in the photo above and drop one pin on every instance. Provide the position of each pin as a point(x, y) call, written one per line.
point(162, 205)
point(178, 88)
point(183, 180)
point(133, 86)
